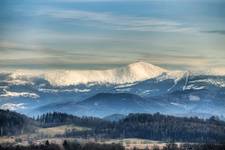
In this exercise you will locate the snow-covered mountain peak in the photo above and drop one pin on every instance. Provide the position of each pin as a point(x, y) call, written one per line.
point(130, 73)
point(139, 71)
point(134, 72)
point(144, 67)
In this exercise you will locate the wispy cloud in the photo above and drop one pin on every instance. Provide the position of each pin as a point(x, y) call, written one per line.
point(179, 61)
point(221, 32)
point(16, 45)
point(116, 22)
point(95, 0)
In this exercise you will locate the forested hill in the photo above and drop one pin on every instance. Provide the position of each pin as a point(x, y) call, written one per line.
point(147, 126)
point(58, 118)
point(167, 128)
point(12, 123)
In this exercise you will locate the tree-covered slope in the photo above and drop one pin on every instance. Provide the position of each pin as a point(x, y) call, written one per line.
point(12, 123)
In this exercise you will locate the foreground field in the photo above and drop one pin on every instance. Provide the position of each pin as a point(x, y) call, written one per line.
point(110, 144)
point(49, 134)
point(60, 130)
point(129, 144)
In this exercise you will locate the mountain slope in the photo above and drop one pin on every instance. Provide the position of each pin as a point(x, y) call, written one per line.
point(104, 104)
point(12, 123)
point(162, 90)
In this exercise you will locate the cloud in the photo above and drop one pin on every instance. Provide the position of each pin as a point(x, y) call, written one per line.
point(172, 61)
point(12, 106)
point(19, 46)
point(115, 22)
point(221, 32)
point(95, 0)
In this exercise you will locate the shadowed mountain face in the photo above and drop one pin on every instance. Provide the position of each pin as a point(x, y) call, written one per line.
point(104, 104)
point(138, 87)
point(123, 103)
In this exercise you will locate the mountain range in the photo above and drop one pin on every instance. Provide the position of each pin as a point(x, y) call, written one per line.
point(137, 87)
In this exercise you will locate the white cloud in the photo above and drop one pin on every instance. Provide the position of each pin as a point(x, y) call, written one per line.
point(94, 0)
point(16, 45)
point(12, 106)
point(116, 22)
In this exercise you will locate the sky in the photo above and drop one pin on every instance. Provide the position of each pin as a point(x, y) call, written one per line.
point(98, 34)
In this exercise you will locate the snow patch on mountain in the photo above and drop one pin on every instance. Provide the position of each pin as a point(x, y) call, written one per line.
point(75, 90)
point(18, 82)
point(18, 94)
point(12, 106)
point(215, 82)
point(194, 87)
point(194, 98)
point(123, 90)
point(125, 85)
point(175, 75)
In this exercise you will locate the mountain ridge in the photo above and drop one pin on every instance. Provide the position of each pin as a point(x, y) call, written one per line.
point(131, 73)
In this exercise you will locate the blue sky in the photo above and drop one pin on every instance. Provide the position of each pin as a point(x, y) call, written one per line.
point(70, 34)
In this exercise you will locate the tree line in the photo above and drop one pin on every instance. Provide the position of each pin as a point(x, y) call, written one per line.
point(58, 118)
point(160, 127)
point(147, 126)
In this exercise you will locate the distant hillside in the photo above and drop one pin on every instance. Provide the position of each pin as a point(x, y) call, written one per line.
point(146, 126)
point(12, 123)
point(57, 119)
point(103, 104)
point(114, 117)
point(163, 128)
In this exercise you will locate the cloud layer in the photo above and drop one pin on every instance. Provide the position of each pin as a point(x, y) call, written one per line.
point(104, 33)
point(115, 22)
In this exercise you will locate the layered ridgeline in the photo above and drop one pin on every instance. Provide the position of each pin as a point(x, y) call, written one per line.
point(131, 73)
point(138, 87)
point(145, 126)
